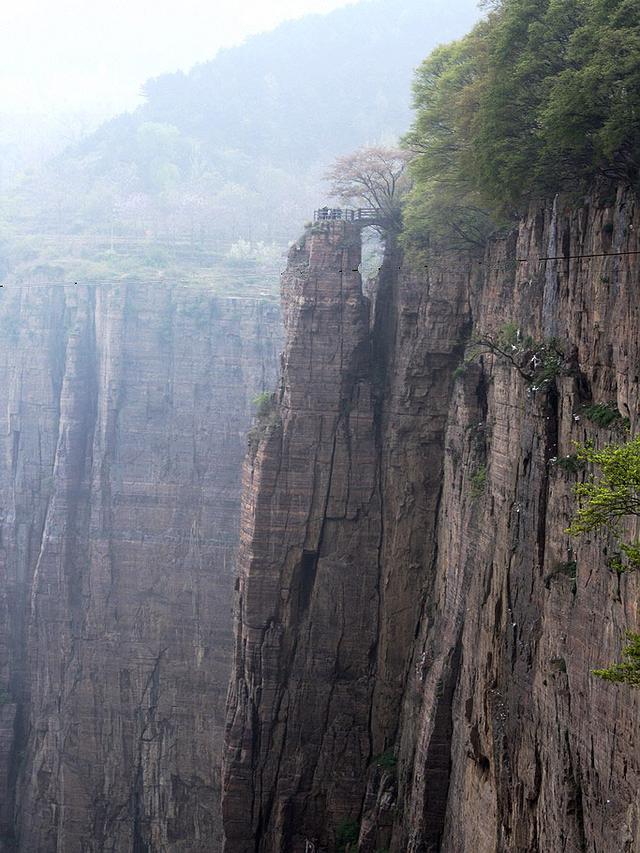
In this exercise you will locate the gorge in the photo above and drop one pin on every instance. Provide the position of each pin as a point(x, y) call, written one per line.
point(342, 571)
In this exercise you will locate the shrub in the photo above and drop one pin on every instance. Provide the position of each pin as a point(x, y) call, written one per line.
point(568, 570)
point(538, 362)
point(264, 404)
point(571, 463)
point(604, 415)
point(478, 481)
point(387, 760)
point(628, 671)
point(460, 370)
point(607, 501)
point(347, 835)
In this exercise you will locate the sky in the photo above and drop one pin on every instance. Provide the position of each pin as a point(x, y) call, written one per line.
point(70, 56)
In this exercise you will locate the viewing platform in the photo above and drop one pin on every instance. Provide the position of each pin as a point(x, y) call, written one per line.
point(363, 215)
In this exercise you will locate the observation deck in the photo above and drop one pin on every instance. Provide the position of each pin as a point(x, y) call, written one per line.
point(362, 215)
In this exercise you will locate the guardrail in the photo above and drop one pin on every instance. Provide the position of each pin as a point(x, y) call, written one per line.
point(347, 214)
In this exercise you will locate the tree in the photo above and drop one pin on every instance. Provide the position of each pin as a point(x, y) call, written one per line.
point(542, 96)
point(376, 177)
point(627, 672)
point(591, 118)
point(538, 362)
point(607, 501)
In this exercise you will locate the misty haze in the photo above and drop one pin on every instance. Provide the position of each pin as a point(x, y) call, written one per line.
point(319, 450)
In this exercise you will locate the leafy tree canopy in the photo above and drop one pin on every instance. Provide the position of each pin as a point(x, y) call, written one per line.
point(543, 95)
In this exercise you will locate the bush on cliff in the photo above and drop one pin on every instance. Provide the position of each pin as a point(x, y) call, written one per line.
point(538, 362)
point(264, 404)
point(627, 672)
point(605, 502)
point(347, 836)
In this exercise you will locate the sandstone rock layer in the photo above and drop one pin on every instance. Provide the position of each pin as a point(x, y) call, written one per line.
point(122, 430)
point(416, 631)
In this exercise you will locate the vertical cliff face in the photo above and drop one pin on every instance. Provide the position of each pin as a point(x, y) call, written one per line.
point(122, 432)
point(299, 720)
point(415, 641)
point(541, 755)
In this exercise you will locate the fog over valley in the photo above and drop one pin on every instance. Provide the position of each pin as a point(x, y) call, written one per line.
point(319, 412)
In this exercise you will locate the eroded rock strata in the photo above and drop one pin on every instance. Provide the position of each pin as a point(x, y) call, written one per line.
point(415, 628)
point(122, 430)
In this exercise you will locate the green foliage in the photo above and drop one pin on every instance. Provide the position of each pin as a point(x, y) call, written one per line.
point(478, 482)
point(460, 370)
point(571, 463)
point(604, 415)
point(538, 362)
point(543, 95)
point(386, 760)
point(264, 404)
point(589, 119)
point(614, 496)
point(445, 205)
point(628, 671)
point(567, 570)
point(267, 417)
point(347, 835)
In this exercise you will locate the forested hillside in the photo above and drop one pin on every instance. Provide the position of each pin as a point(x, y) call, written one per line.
point(220, 164)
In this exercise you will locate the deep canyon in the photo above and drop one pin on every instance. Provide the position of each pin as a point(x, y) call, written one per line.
point(351, 568)
point(415, 629)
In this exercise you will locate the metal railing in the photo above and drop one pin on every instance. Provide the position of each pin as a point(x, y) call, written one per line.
point(347, 214)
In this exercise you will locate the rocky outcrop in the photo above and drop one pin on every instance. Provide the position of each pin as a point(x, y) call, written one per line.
point(122, 430)
point(299, 722)
point(415, 640)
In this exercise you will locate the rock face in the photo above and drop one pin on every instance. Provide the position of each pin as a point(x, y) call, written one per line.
point(122, 430)
point(299, 737)
point(416, 631)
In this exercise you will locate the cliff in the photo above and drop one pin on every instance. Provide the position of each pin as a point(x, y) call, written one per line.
point(416, 631)
point(122, 430)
